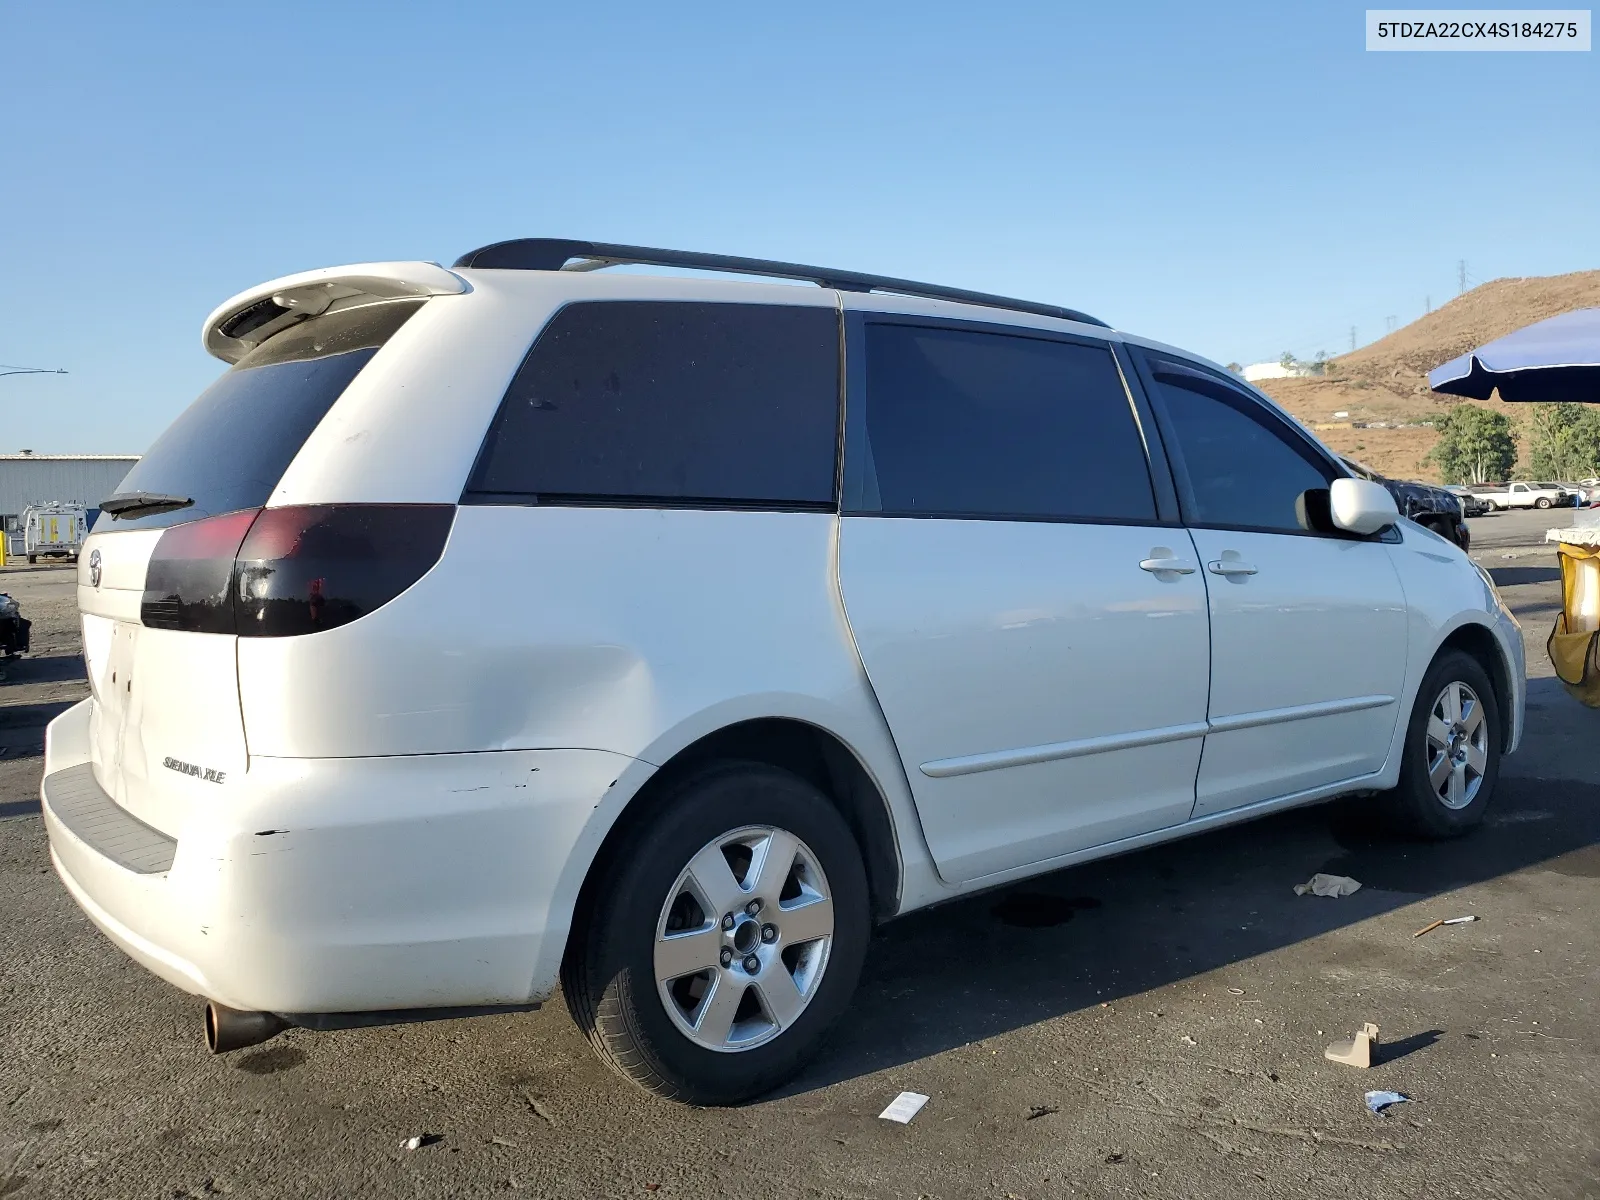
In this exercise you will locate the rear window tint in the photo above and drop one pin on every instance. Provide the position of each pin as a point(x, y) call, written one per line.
point(228, 449)
point(670, 403)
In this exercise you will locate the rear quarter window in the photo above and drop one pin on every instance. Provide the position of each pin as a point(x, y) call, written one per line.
point(228, 450)
point(674, 404)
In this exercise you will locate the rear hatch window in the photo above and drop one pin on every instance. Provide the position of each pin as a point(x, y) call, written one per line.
point(229, 448)
point(166, 730)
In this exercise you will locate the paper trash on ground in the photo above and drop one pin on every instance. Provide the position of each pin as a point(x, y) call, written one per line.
point(1328, 885)
point(1378, 1101)
point(903, 1107)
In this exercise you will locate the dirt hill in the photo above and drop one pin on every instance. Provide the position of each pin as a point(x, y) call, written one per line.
point(1385, 384)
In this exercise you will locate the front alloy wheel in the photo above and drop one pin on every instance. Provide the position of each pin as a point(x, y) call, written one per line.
point(1458, 746)
point(1452, 751)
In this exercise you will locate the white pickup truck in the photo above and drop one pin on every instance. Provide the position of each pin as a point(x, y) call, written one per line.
point(1522, 495)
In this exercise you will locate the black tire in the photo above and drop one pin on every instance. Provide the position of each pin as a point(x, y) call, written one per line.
point(1542, 502)
point(609, 978)
point(1415, 805)
point(32, 558)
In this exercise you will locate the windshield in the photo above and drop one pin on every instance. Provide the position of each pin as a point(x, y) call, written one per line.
point(229, 448)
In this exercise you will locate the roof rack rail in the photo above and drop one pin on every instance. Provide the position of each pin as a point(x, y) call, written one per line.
point(561, 254)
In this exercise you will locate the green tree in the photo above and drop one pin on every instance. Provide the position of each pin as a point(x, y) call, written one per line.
point(1586, 441)
point(1476, 445)
point(1563, 441)
point(1286, 360)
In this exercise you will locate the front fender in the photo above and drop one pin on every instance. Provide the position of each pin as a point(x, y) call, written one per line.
point(1446, 596)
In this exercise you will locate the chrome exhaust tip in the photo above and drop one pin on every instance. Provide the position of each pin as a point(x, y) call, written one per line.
point(229, 1029)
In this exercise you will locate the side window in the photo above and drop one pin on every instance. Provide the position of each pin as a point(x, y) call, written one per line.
point(962, 423)
point(1243, 467)
point(671, 403)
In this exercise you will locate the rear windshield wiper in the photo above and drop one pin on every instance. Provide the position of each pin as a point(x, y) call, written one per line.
point(129, 503)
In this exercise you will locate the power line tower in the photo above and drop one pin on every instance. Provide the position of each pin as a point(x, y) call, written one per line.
point(1352, 337)
point(1461, 276)
point(1427, 304)
point(1389, 321)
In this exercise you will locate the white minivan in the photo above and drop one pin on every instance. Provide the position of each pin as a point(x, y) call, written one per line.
point(520, 626)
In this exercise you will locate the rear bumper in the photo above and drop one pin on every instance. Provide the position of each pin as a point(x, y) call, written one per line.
point(343, 885)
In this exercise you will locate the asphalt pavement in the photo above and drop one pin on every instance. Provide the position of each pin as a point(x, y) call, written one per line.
point(1148, 1026)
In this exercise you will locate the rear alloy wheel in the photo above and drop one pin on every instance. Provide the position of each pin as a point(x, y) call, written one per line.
point(735, 980)
point(724, 939)
point(1542, 502)
point(1452, 751)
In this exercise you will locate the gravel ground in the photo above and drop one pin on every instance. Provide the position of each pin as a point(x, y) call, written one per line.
point(1149, 1026)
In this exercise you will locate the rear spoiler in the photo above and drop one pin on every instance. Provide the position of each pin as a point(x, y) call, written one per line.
point(242, 323)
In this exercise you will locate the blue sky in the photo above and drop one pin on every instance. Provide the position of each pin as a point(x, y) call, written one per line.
point(1238, 179)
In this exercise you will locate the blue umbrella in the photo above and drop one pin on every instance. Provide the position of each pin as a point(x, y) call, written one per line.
point(1553, 360)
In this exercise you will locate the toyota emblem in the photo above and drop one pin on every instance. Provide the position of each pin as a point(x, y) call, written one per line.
point(94, 568)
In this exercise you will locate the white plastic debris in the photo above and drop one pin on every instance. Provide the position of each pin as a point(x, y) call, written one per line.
point(903, 1107)
point(413, 1143)
point(1328, 885)
point(1358, 1051)
point(1378, 1101)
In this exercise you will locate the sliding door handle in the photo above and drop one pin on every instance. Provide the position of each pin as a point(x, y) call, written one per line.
point(1229, 566)
point(1175, 565)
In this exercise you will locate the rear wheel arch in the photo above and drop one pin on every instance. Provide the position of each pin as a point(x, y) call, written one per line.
point(808, 751)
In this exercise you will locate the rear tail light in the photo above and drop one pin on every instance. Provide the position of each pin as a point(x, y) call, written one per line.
point(189, 582)
point(306, 569)
point(279, 572)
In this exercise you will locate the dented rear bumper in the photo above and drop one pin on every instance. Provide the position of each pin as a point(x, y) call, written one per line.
point(338, 885)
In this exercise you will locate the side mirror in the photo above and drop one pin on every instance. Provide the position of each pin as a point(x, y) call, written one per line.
point(1361, 506)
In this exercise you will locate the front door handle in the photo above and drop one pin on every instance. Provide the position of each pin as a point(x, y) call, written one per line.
point(1230, 566)
point(1176, 565)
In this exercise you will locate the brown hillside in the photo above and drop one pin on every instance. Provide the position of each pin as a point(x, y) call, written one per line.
point(1387, 381)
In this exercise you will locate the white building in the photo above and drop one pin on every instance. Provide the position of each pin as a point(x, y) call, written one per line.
point(84, 479)
point(1274, 370)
